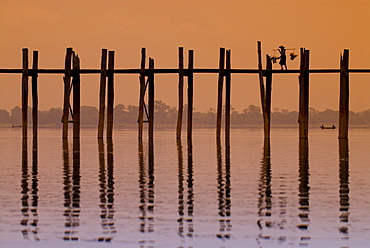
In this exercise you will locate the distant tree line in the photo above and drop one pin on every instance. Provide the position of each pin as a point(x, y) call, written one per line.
point(167, 116)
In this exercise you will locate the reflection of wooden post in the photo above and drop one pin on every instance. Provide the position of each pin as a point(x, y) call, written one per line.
point(221, 74)
point(344, 96)
point(267, 110)
point(181, 92)
point(103, 79)
point(228, 94)
point(24, 92)
point(304, 94)
point(190, 93)
point(110, 95)
point(67, 89)
point(35, 101)
point(304, 188)
point(150, 199)
point(76, 97)
point(344, 184)
point(142, 93)
point(151, 98)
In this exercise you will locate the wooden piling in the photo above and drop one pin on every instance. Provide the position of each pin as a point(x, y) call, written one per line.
point(151, 98)
point(181, 92)
point(110, 95)
point(221, 74)
point(190, 94)
point(344, 96)
point(76, 97)
point(304, 94)
point(67, 86)
point(142, 93)
point(35, 101)
point(267, 110)
point(260, 74)
point(24, 91)
point(103, 85)
point(228, 94)
point(265, 92)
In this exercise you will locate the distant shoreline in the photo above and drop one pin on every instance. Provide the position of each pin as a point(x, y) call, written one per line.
point(159, 126)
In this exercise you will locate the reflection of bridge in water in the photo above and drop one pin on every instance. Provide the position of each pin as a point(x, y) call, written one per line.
point(30, 196)
point(272, 207)
point(106, 179)
point(224, 191)
point(146, 185)
point(72, 191)
point(344, 188)
point(185, 202)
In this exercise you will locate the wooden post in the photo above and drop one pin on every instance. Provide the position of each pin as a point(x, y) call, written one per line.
point(76, 97)
point(142, 93)
point(190, 93)
point(35, 101)
point(228, 94)
point(151, 98)
point(67, 86)
point(181, 92)
point(221, 74)
point(304, 94)
point(103, 80)
point(267, 111)
point(344, 96)
point(260, 73)
point(265, 92)
point(110, 95)
point(24, 91)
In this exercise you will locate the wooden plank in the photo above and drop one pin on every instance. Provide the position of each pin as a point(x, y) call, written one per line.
point(176, 71)
point(24, 92)
point(142, 93)
point(67, 86)
point(110, 95)
point(151, 98)
point(344, 96)
point(103, 86)
point(76, 97)
point(221, 74)
point(180, 93)
point(35, 101)
point(267, 122)
point(190, 94)
point(228, 94)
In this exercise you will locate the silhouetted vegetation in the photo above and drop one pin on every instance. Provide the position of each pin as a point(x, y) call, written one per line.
point(167, 116)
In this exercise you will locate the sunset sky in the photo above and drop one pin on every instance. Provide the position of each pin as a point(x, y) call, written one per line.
point(125, 26)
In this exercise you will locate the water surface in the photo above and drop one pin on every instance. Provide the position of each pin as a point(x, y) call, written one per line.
point(188, 193)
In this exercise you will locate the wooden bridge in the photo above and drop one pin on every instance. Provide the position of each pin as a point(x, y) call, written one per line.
point(107, 71)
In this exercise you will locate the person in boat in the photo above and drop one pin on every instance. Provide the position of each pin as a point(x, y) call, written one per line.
point(282, 57)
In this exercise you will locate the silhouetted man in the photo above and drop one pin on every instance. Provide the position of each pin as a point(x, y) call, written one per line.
point(282, 57)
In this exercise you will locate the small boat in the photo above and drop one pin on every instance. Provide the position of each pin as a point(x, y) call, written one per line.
point(16, 126)
point(323, 127)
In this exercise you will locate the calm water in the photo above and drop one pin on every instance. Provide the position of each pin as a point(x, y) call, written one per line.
point(186, 194)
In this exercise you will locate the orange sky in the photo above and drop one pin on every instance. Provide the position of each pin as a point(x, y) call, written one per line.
point(324, 27)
